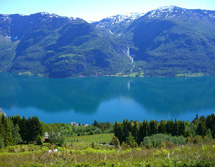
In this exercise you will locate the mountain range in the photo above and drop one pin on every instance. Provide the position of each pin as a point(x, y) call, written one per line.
point(168, 41)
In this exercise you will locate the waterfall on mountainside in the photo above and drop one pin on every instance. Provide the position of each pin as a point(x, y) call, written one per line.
point(132, 60)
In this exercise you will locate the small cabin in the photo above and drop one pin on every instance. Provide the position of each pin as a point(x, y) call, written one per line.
point(46, 137)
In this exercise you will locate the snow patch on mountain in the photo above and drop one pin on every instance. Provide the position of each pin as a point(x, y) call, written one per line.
point(165, 11)
point(117, 19)
point(174, 11)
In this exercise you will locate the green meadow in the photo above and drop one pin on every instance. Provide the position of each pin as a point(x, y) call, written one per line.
point(80, 153)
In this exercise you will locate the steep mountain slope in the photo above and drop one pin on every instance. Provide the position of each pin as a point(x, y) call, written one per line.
point(169, 41)
point(49, 45)
point(174, 41)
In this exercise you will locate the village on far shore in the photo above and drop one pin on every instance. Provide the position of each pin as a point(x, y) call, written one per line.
point(78, 124)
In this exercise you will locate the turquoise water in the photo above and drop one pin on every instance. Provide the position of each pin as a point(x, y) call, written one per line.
point(106, 98)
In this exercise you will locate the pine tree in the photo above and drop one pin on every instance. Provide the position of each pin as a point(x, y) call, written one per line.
point(153, 125)
point(210, 122)
point(162, 127)
point(1, 134)
point(143, 131)
point(175, 131)
point(36, 128)
point(130, 139)
point(135, 131)
point(127, 127)
point(7, 135)
point(29, 130)
point(108, 125)
point(182, 131)
point(16, 135)
point(201, 129)
point(117, 128)
point(170, 127)
point(95, 123)
point(1, 127)
point(23, 129)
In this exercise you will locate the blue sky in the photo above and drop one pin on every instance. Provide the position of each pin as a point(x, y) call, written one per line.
point(92, 10)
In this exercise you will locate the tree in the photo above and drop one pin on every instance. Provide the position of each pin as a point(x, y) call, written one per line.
point(117, 128)
point(108, 125)
point(23, 129)
point(135, 131)
point(116, 142)
point(153, 126)
point(1, 135)
point(130, 139)
point(210, 122)
point(175, 131)
point(55, 137)
point(143, 131)
point(16, 135)
point(1, 142)
point(182, 130)
point(201, 129)
point(36, 127)
point(95, 123)
point(162, 127)
point(7, 135)
point(126, 128)
point(170, 127)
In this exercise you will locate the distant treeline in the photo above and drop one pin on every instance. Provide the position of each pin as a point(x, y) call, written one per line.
point(17, 130)
point(139, 130)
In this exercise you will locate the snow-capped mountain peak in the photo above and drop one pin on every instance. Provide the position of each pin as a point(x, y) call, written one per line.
point(165, 11)
point(118, 19)
point(174, 11)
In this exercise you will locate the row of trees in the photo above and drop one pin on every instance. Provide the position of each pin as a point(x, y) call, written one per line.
point(145, 128)
point(205, 125)
point(129, 130)
point(104, 126)
point(15, 130)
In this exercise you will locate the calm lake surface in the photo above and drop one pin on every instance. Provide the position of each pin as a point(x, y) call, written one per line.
point(106, 98)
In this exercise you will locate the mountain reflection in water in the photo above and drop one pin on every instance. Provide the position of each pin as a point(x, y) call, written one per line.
point(106, 98)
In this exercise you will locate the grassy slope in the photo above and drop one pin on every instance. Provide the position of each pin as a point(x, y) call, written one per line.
point(34, 155)
point(86, 141)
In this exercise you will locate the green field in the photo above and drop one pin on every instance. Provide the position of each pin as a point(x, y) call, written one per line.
point(86, 141)
point(81, 153)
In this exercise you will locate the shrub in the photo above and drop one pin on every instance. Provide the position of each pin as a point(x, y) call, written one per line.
point(116, 142)
point(93, 145)
point(166, 144)
point(134, 144)
point(39, 141)
point(157, 140)
point(22, 149)
point(99, 131)
point(147, 142)
point(197, 140)
point(91, 132)
point(207, 139)
point(125, 146)
point(11, 150)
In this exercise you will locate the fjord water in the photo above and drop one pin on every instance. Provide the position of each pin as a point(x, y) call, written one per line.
point(106, 98)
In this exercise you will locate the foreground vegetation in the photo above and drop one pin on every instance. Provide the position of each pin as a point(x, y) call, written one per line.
point(69, 155)
point(98, 144)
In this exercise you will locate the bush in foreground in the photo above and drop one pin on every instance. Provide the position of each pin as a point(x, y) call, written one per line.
point(158, 140)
